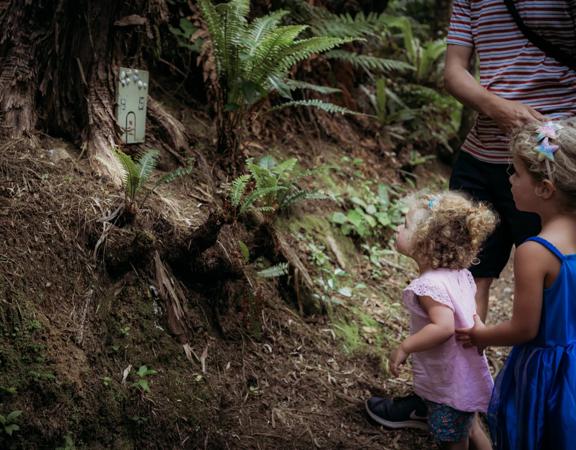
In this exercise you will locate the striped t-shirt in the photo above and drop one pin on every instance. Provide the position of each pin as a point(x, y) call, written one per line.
point(511, 66)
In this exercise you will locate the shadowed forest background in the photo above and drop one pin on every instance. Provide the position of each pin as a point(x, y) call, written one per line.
point(231, 282)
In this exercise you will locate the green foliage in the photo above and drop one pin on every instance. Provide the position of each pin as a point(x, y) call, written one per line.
point(371, 64)
point(270, 187)
point(421, 56)
point(388, 106)
point(370, 213)
point(255, 59)
point(136, 173)
point(349, 333)
point(318, 104)
point(68, 443)
point(275, 271)
point(183, 34)
point(143, 374)
point(9, 422)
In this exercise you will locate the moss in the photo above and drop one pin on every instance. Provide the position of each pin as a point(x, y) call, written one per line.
point(321, 230)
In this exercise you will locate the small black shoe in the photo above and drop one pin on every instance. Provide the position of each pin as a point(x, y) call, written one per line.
point(401, 412)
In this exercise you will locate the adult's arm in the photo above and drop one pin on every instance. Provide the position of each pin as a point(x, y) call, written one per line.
point(461, 84)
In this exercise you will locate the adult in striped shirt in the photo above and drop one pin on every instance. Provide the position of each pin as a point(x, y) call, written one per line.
point(518, 84)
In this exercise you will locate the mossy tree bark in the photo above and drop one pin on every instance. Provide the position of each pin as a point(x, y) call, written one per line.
point(58, 65)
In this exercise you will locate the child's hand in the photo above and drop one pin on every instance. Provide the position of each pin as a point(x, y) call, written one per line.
point(469, 336)
point(397, 358)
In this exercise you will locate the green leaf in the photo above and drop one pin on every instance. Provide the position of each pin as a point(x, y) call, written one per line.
point(345, 291)
point(9, 429)
point(143, 385)
point(355, 217)
point(13, 415)
point(339, 218)
point(244, 251)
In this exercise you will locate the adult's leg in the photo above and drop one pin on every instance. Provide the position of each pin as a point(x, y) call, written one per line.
point(476, 178)
point(483, 296)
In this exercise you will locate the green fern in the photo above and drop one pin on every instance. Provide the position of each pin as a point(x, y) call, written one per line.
point(270, 186)
point(370, 63)
point(238, 188)
point(319, 104)
point(136, 173)
point(254, 59)
point(258, 194)
point(275, 271)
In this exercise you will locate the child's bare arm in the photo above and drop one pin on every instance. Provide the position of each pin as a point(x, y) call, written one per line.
point(531, 264)
point(433, 334)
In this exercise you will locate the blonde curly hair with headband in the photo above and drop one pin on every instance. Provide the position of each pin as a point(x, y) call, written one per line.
point(450, 229)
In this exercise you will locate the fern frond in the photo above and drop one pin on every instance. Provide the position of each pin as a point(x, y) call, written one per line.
point(275, 271)
point(264, 62)
point(238, 188)
point(259, 193)
point(147, 163)
point(319, 104)
point(265, 209)
point(261, 27)
point(131, 173)
point(369, 63)
point(285, 168)
point(295, 84)
point(175, 174)
point(305, 48)
point(262, 177)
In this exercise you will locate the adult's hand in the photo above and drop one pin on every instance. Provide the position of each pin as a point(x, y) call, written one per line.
point(509, 114)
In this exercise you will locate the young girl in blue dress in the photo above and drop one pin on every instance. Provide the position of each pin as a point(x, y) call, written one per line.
point(533, 405)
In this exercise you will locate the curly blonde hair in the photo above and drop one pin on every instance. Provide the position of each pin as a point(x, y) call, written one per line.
point(562, 171)
point(450, 228)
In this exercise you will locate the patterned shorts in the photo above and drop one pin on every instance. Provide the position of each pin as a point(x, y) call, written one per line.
point(448, 424)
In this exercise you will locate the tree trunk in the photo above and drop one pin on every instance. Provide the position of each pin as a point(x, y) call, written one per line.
point(58, 68)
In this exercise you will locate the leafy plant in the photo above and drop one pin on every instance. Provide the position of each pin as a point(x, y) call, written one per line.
point(270, 186)
point(370, 212)
point(9, 422)
point(184, 33)
point(142, 382)
point(422, 56)
point(137, 172)
point(275, 271)
point(388, 106)
point(253, 60)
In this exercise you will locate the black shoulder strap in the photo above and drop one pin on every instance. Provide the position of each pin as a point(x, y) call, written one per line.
point(563, 58)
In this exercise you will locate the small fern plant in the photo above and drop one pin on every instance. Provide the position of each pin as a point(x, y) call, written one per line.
point(253, 60)
point(271, 187)
point(137, 172)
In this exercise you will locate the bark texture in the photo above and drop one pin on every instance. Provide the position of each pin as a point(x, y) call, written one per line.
point(58, 65)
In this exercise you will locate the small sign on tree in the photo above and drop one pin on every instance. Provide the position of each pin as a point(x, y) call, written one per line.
point(132, 101)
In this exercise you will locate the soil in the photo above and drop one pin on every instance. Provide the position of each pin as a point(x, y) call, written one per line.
point(95, 355)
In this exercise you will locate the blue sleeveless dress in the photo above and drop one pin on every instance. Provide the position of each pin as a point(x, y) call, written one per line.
point(533, 405)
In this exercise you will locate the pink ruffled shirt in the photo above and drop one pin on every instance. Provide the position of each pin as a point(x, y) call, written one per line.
point(448, 373)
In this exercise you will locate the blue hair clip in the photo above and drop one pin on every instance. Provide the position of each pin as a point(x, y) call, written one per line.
point(432, 202)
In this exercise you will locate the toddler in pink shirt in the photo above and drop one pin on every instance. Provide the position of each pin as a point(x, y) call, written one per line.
point(443, 234)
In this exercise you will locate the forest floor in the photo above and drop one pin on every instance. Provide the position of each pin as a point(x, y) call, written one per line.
point(86, 353)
